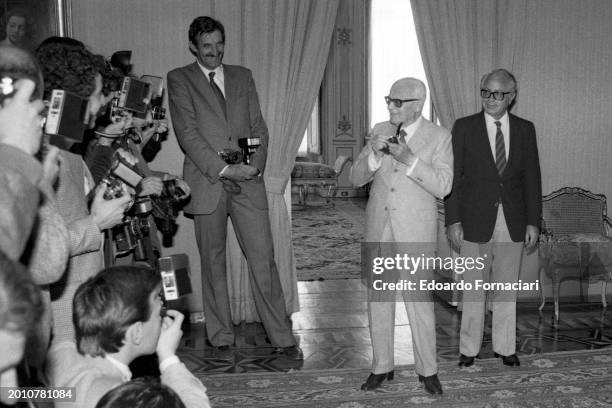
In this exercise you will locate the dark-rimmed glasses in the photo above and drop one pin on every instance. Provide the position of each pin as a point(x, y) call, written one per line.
point(398, 102)
point(497, 95)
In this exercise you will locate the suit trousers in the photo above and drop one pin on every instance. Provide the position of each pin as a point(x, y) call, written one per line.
point(502, 260)
point(381, 316)
point(252, 227)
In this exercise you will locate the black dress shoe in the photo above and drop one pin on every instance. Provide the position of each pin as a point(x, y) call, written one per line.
point(511, 360)
point(291, 352)
point(432, 384)
point(374, 380)
point(465, 361)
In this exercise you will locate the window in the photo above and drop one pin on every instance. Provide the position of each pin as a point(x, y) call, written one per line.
point(311, 142)
point(394, 54)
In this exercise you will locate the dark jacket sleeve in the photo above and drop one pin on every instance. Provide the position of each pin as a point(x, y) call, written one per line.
point(452, 202)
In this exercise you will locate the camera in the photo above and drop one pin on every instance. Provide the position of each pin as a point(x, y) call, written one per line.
point(165, 210)
point(174, 271)
point(66, 115)
point(249, 146)
point(120, 173)
point(392, 139)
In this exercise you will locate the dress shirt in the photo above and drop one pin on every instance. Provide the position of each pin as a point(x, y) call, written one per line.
point(125, 370)
point(492, 131)
point(219, 76)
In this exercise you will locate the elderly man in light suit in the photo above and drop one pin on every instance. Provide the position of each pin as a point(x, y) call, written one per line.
point(212, 106)
point(408, 175)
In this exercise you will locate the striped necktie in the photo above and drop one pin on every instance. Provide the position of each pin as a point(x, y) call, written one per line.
point(218, 93)
point(500, 150)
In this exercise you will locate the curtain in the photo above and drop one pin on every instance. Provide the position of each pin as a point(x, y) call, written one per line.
point(460, 40)
point(288, 42)
point(284, 42)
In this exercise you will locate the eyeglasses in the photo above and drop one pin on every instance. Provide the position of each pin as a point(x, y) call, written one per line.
point(398, 102)
point(497, 95)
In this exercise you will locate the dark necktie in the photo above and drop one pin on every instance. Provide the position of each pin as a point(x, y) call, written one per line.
point(217, 92)
point(500, 150)
point(402, 136)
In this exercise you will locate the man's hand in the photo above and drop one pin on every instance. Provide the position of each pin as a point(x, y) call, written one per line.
point(240, 172)
point(20, 120)
point(454, 232)
point(108, 213)
point(531, 237)
point(170, 335)
point(379, 147)
point(151, 186)
point(402, 153)
point(50, 166)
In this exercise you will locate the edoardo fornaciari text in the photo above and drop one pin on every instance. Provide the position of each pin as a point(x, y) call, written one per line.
point(430, 284)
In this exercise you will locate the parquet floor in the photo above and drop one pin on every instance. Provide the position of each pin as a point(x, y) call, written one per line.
point(332, 330)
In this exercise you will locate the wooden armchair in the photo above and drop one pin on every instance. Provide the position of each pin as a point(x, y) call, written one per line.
point(575, 242)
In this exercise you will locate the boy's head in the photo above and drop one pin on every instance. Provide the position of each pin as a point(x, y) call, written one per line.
point(118, 307)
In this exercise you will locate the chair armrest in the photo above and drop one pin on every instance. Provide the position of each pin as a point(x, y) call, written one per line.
point(607, 226)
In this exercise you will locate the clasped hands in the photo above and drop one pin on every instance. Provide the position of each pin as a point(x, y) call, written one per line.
point(399, 151)
point(239, 172)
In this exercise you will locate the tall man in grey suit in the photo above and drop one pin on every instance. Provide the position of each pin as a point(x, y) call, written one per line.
point(494, 210)
point(407, 177)
point(212, 106)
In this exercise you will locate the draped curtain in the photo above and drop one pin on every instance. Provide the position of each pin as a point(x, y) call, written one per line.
point(460, 40)
point(284, 42)
point(287, 43)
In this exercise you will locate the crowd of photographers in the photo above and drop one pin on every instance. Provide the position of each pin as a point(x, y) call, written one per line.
point(80, 295)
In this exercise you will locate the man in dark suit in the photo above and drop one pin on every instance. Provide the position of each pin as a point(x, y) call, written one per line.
point(212, 106)
point(493, 210)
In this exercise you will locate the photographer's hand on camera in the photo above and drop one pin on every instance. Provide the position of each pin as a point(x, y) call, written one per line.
point(170, 335)
point(20, 119)
point(151, 186)
point(108, 213)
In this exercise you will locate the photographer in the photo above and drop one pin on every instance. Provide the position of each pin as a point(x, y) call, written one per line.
point(20, 132)
point(119, 317)
point(68, 65)
point(157, 192)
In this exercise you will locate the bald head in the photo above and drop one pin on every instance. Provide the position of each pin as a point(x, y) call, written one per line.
point(17, 64)
point(412, 91)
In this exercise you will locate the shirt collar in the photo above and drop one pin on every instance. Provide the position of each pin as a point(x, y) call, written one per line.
point(125, 370)
point(411, 128)
point(490, 120)
point(219, 76)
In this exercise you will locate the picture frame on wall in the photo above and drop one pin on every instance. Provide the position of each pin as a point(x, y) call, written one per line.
point(25, 23)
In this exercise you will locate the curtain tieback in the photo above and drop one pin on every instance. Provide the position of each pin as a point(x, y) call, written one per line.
point(276, 185)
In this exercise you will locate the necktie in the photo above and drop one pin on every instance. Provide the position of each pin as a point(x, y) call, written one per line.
point(217, 92)
point(500, 150)
point(402, 136)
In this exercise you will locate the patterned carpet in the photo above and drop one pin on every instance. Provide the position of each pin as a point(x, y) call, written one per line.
point(563, 379)
point(327, 240)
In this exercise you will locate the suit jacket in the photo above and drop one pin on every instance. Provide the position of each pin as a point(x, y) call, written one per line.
point(202, 131)
point(19, 199)
point(93, 377)
point(408, 202)
point(478, 186)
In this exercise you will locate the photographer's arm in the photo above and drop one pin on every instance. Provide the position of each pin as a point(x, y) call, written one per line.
point(185, 127)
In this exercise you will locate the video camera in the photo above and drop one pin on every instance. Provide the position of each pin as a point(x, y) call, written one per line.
point(248, 147)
